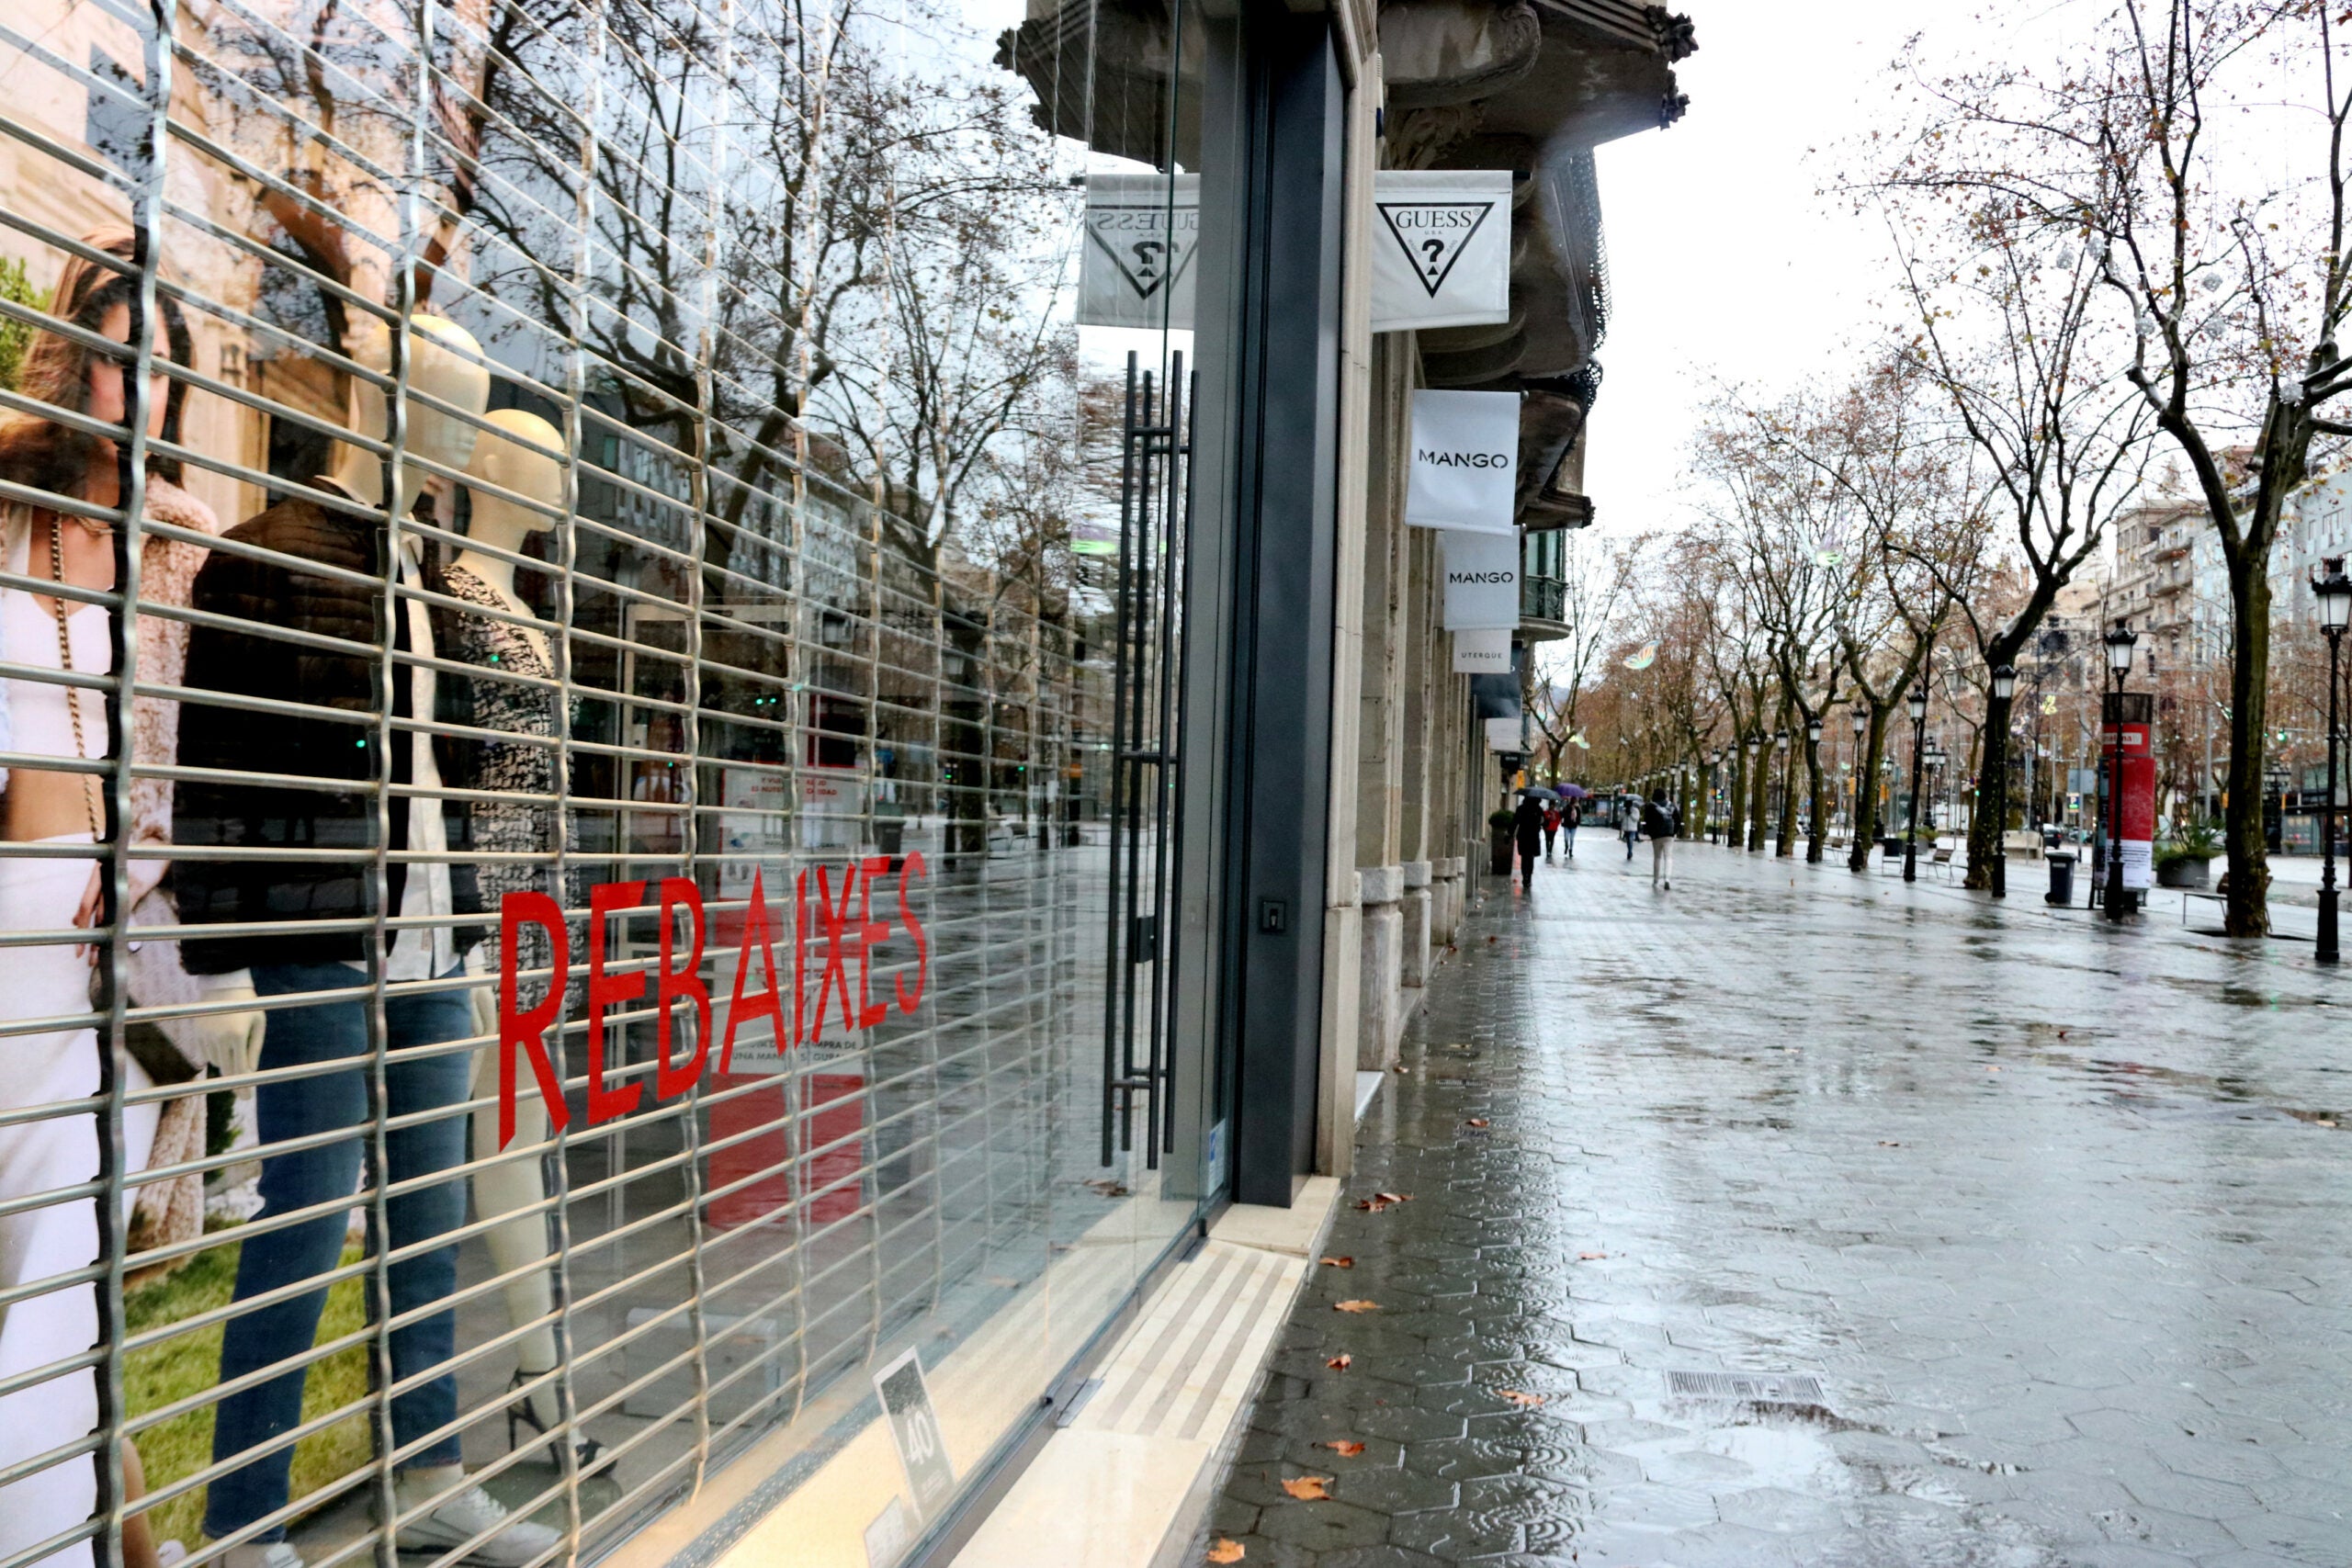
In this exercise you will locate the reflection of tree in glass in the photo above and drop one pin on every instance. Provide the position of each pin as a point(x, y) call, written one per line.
point(825, 253)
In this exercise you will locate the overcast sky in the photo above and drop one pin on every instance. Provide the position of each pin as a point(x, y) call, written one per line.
point(1724, 260)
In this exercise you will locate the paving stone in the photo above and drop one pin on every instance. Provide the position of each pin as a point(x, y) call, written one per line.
point(2086, 1312)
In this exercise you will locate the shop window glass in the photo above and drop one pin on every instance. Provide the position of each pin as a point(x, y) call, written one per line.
point(615, 784)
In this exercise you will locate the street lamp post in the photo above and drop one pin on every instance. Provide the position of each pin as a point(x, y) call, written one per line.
point(2335, 592)
point(2005, 685)
point(2119, 662)
point(1781, 829)
point(1916, 705)
point(1812, 762)
point(1858, 857)
point(1707, 792)
point(1749, 806)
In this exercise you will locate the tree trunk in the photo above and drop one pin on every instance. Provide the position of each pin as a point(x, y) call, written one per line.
point(2247, 911)
point(1820, 817)
point(1866, 791)
point(1988, 830)
point(1759, 774)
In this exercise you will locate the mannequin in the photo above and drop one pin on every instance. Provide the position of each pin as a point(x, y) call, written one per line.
point(505, 459)
point(337, 739)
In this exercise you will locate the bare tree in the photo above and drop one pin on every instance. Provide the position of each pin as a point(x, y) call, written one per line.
point(2033, 374)
point(2142, 165)
point(1596, 575)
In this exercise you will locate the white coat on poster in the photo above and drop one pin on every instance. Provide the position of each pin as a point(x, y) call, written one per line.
point(1136, 265)
point(1464, 472)
point(1482, 652)
point(1481, 581)
point(1441, 248)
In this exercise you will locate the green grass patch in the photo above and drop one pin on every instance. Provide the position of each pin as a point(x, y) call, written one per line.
point(189, 1363)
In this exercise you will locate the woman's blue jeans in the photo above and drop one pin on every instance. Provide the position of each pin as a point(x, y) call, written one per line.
point(332, 1032)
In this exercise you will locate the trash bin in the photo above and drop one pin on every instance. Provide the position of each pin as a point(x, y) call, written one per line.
point(2061, 877)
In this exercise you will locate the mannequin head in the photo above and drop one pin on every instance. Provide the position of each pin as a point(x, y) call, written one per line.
point(517, 454)
point(444, 363)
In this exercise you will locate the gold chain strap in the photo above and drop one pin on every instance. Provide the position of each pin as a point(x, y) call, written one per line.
point(65, 664)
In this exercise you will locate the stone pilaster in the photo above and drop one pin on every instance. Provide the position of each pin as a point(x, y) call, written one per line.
point(1413, 961)
point(1444, 891)
point(1379, 1018)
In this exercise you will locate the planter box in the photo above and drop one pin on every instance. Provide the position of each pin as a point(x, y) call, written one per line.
point(1498, 843)
point(2184, 874)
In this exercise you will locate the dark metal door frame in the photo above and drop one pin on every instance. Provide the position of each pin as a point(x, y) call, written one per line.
point(1284, 479)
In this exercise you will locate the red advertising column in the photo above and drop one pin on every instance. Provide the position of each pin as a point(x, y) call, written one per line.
point(2128, 737)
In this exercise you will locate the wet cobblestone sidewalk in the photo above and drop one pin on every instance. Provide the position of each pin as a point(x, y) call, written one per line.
point(2056, 1214)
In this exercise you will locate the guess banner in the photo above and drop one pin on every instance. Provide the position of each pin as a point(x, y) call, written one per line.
point(834, 931)
point(1136, 269)
point(1441, 248)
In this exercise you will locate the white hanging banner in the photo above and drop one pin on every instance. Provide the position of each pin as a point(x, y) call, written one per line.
point(1135, 268)
point(1441, 248)
point(1465, 461)
point(1506, 734)
point(1482, 652)
point(1481, 581)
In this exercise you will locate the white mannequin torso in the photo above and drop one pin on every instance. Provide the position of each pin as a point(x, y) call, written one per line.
point(495, 525)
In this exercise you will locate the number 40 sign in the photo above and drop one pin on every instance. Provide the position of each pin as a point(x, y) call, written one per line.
point(914, 1426)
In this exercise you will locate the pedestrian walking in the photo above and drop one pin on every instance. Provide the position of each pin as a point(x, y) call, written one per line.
point(1629, 823)
point(1659, 821)
point(1527, 827)
point(1551, 826)
point(1571, 816)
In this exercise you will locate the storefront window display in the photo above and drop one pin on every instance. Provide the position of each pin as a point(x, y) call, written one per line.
point(553, 857)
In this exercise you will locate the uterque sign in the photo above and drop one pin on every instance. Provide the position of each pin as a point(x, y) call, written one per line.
point(840, 926)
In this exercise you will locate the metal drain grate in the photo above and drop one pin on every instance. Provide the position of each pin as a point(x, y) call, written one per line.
point(1748, 1387)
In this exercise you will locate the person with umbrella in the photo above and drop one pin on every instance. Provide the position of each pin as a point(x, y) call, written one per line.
point(1661, 822)
point(1571, 814)
point(1527, 828)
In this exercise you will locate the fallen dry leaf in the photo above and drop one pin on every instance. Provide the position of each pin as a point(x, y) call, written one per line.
point(1402, 1068)
point(1347, 1446)
point(1477, 1120)
point(1339, 1263)
point(1590, 1257)
point(1990, 1068)
point(1225, 1550)
point(1394, 1197)
point(1308, 1488)
point(1341, 1362)
point(2323, 1122)
point(1355, 1306)
point(1529, 1401)
point(1889, 1143)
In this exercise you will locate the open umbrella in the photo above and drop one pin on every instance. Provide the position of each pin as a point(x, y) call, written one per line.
point(1574, 791)
point(1537, 792)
